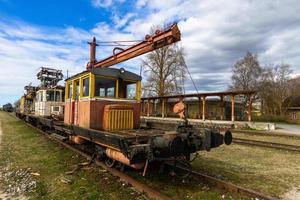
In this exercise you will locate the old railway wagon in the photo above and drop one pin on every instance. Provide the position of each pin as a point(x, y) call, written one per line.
point(7, 107)
point(26, 102)
point(102, 107)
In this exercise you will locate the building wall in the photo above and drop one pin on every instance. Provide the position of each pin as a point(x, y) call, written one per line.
point(293, 116)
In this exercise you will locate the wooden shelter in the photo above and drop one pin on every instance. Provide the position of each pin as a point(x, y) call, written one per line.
point(149, 102)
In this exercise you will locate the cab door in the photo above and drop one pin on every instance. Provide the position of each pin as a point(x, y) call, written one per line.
point(75, 103)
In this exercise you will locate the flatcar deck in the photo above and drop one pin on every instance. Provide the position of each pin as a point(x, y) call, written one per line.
point(139, 132)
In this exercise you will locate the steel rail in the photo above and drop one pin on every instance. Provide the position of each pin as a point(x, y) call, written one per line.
point(267, 133)
point(227, 186)
point(273, 145)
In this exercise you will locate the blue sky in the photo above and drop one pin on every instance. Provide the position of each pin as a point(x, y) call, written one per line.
point(215, 34)
point(54, 13)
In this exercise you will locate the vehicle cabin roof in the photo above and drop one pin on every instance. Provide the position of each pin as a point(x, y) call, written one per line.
point(110, 72)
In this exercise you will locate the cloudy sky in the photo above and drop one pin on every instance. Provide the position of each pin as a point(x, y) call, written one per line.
point(215, 34)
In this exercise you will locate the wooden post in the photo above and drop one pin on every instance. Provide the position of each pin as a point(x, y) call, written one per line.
point(232, 108)
point(199, 111)
point(153, 107)
point(250, 109)
point(148, 108)
point(222, 106)
point(203, 107)
point(166, 108)
point(163, 108)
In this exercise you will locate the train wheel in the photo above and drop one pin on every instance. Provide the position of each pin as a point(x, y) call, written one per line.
point(100, 151)
point(110, 162)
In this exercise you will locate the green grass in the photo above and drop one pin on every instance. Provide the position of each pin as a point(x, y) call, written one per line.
point(189, 190)
point(22, 148)
point(269, 138)
point(273, 172)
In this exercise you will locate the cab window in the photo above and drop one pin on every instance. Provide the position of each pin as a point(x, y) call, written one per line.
point(39, 96)
point(50, 96)
point(131, 91)
point(86, 87)
point(70, 90)
point(77, 88)
point(105, 87)
point(53, 96)
point(127, 89)
point(57, 96)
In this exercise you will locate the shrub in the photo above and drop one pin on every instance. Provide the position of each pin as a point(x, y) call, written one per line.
point(269, 118)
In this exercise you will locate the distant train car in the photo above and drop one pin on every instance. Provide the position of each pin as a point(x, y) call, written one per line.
point(8, 107)
point(26, 103)
point(49, 102)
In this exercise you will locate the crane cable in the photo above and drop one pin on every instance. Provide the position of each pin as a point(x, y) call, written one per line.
point(118, 42)
point(190, 76)
point(192, 79)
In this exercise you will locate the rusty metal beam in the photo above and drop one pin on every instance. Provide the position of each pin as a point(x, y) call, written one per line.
point(221, 107)
point(151, 42)
point(250, 109)
point(163, 108)
point(232, 108)
point(200, 107)
point(148, 108)
point(203, 107)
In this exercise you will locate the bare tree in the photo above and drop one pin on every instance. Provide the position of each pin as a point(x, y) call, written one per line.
point(246, 73)
point(275, 89)
point(246, 76)
point(295, 86)
point(166, 71)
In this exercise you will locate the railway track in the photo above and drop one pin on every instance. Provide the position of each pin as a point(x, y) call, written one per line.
point(154, 194)
point(273, 145)
point(227, 186)
point(140, 187)
point(267, 133)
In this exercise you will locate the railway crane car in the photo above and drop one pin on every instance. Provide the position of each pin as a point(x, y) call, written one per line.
point(25, 105)
point(102, 106)
point(50, 96)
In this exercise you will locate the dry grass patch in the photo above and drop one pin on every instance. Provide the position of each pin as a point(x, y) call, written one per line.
point(269, 138)
point(271, 171)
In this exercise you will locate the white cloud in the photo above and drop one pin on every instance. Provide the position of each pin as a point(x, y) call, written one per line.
point(101, 3)
point(106, 3)
point(215, 34)
point(24, 48)
point(120, 22)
